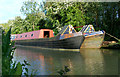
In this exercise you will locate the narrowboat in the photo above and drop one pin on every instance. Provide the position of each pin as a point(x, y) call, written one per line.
point(67, 38)
point(93, 39)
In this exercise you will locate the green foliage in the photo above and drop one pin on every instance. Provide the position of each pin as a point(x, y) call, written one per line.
point(18, 25)
point(18, 69)
point(6, 26)
point(64, 71)
point(61, 14)
point(31, 7)
point(119, 42)
point(55, 15)
point(105, 16)
point(33, 13)
point(8, 66)
point(72, 16)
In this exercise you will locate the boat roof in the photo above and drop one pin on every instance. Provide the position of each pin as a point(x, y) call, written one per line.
point(33, 31)
point(67, 29)
point(87, 29)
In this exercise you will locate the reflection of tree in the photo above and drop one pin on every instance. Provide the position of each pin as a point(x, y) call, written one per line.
point(111, 62)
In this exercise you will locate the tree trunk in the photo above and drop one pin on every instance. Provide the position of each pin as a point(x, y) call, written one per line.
point(96, 19)
point(33, 26)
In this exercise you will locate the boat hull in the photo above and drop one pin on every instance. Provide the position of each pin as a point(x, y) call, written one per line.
point(94, 41)
point(67, 43)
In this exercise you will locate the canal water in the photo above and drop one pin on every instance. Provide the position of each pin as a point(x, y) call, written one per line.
point(84, 62)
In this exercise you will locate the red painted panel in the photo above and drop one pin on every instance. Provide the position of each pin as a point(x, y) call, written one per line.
point(36, 34)
point(50, 32)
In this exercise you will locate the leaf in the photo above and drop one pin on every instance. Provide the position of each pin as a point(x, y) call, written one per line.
point(27, 63)
point(66, 69)
point(23, 64)
point(26, 70)
point(61, 72)
point(18, 69)
point(26, 74)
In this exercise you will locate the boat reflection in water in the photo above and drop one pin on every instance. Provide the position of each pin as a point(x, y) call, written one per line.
point(46, 62)
point(85, 62)
point(93, 58)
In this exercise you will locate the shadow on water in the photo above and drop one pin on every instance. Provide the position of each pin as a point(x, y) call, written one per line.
point(85, 62)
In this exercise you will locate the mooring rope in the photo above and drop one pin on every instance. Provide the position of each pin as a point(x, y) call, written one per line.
point(112, 36)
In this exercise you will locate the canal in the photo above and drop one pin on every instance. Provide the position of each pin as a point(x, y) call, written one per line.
point(84, 62)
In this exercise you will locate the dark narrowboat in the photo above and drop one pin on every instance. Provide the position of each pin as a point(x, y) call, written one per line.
point(67, 38)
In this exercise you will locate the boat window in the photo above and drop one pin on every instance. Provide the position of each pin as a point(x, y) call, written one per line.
point(25, 35)
point(31, 35)
point(20, 36)
point(16, 36)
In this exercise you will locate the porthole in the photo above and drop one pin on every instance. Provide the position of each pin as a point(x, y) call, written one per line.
point(31, 35)
point(20, 36)
point(16, 36)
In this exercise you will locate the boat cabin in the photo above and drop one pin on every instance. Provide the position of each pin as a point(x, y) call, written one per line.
point(87, 29)
point(43, 33)
point(68, 29)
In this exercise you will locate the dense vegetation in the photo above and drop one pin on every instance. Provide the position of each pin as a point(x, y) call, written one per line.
point(0, 51)
point(9, 67)
point(103, 16)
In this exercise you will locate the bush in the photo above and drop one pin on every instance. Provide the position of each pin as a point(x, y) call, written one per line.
point(8, 66)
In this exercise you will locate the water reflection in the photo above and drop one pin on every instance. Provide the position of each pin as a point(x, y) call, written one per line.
point(85, 62)
point(93, 58)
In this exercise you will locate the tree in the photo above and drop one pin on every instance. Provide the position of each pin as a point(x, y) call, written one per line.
point(65, 13)
point(32, 10)
point(7, 25)
point(18, 25)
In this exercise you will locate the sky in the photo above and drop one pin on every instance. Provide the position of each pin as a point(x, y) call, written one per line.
point(9, 9)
